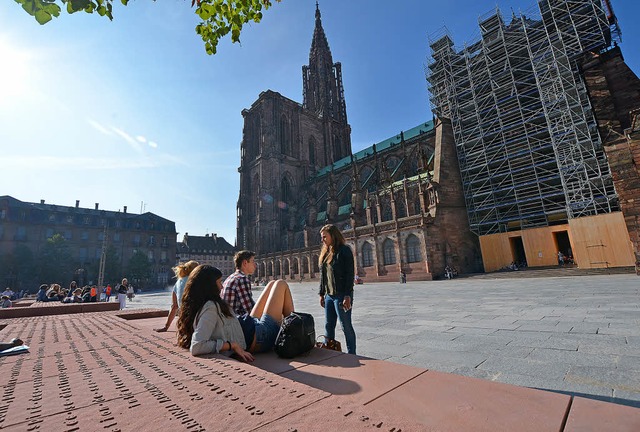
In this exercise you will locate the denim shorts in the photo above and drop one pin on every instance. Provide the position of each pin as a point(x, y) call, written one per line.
point(266, 332)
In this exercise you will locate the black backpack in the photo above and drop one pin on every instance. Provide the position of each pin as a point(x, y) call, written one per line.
point(297, 335)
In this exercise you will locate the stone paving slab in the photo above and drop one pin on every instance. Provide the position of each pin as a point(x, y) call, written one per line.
point(446, 402)
point(591, 416)
point(354, 378)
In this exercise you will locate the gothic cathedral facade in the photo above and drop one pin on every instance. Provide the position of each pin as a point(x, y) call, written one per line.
point(399, 203)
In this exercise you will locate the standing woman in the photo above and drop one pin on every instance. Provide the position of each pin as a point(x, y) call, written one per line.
point(336, 284)
point(182, 272)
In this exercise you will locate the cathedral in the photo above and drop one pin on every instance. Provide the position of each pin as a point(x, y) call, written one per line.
point(399, 203)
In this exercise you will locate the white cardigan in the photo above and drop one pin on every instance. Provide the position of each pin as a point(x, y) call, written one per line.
point(212, 329)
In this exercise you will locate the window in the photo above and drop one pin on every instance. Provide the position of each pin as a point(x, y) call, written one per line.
point(152, 240)
point(52, 217)
point(163, 256)
point(98, 253)
point(84, 235)
point(86, 220)
point(101, 236)
point(389, 252)
point(67, 235)
point(82, 254)
point(367, 255)
point(116, 237)
point(21, 233)
point(49, 233)
point(150, 255)
point(413, 249)
point(69, 219)
point(136, 240)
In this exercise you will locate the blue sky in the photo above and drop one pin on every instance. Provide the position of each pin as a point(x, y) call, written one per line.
point(134, 112)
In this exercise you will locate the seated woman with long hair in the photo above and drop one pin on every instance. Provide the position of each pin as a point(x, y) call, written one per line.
point(207, 324)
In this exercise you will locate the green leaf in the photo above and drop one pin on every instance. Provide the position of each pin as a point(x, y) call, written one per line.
point(42, 17)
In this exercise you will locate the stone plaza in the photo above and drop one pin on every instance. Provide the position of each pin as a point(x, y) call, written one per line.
point(577, 335)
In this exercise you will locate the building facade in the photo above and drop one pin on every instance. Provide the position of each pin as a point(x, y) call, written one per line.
point(533, 104)
point(399, 203)
point(207, 249)
point(88, 233)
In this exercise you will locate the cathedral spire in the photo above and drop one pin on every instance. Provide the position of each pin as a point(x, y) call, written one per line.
point(322, 78)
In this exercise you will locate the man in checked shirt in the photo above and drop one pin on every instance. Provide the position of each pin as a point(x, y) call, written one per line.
point(236, 289)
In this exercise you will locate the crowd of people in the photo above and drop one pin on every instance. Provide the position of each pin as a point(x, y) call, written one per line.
point(74, 294)
point(216, 316)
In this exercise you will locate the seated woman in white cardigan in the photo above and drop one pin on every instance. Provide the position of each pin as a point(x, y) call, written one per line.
point(207, 324)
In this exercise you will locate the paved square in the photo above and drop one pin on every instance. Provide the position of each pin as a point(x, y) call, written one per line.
point(576, 334)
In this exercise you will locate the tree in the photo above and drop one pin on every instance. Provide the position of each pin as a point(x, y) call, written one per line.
point(17, 269)
point(219, 17)
point(112, 268)
point(139, 268)
point(56, 263)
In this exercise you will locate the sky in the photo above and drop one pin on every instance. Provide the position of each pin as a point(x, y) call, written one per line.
point(133, 112)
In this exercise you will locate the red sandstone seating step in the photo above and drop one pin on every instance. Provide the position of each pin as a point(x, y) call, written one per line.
point(56, 308)
point(101, 371)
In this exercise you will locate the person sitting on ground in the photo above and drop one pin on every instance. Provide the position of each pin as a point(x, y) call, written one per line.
point(77, 295)
point(53, 289)
point(207, 324)
point(182, 272)
point(72, 287)
point(6, 301)
point(86, 294)
point(42, 293)
point(237, 287)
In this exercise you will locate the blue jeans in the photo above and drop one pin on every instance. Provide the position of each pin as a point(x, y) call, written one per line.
point(266, 333)
point(332, 312)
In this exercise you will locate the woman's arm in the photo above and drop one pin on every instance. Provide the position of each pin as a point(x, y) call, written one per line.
point(172, 314)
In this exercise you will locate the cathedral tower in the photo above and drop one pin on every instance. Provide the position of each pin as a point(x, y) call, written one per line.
point(284, 143)
point(323, 93)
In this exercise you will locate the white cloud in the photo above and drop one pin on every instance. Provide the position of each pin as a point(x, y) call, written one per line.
point(153, 144)
point(129, 139)
point(89, 163)
point(97, 126)
point(141, 139)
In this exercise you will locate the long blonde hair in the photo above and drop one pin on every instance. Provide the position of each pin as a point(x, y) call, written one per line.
point(327, 252)
point(185, 269)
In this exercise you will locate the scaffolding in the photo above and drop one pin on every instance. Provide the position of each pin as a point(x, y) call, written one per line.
point(526, 135)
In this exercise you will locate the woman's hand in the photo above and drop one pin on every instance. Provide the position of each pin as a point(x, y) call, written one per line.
point(346, 303)
point(243, 355)
point(322, 301)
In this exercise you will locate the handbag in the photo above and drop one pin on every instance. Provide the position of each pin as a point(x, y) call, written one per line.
point(330, 344)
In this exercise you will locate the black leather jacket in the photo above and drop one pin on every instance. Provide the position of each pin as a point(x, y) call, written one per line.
point(343, 273)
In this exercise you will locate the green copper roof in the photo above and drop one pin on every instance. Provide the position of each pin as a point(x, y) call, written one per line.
point(381, 146)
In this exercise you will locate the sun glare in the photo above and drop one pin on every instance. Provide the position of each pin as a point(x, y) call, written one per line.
point(14, 72)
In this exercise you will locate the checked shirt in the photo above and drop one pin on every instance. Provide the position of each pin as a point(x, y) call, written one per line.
point(236, 291)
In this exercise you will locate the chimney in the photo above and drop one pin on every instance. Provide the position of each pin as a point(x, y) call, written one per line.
point(206, 235)
point(125, 209)
point(77, 203)
point(41, 201)
point(97, 205)
point(215, 237)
